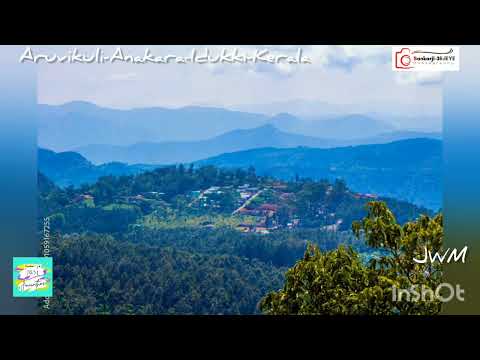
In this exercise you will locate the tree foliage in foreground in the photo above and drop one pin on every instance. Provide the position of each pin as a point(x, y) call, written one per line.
point(337, 282)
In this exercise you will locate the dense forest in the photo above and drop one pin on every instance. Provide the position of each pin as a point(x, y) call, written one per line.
point(95, 274)
point(185, 240)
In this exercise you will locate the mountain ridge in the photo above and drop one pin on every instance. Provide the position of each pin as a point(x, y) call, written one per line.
point(267, 135)
point(72, 169)
point(409, 170)
point(176, 152)
point(80, 123)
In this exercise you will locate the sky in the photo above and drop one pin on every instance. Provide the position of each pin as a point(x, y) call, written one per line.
point(350, 75)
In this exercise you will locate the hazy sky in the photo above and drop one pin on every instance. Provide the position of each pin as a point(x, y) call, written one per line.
point(359, 75)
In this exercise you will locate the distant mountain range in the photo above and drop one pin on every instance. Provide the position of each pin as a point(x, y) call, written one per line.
point(410, 170)
point(414, 117)
point(80, 124)
point(237, 140)
point(353, 126)
point(177, 152)
point(298, 107)
point(70, 168)
point(77, 124)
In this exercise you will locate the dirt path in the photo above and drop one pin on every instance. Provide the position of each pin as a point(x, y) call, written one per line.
point(247, 202)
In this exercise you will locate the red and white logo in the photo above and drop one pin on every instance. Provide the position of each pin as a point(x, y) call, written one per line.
point(425, 58)
point(403, 59)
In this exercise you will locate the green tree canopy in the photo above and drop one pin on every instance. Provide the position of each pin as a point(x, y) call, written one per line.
point(339, 282)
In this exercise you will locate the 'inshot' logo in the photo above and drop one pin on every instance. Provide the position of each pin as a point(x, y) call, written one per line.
point(425, 58)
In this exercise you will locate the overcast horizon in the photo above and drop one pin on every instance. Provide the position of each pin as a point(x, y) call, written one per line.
point(356, 76)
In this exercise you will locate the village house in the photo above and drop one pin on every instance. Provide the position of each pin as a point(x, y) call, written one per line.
point(212, 190)
point(250, 212)
point(153, 194)
point(269, 209)
point(245, 227)
point(261, 230)
point(293, 224)
point(83, 197)
point(245, 195)
point(333, 227)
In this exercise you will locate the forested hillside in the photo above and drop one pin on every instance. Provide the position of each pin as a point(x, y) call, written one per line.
point(409, 169)
point(188, 240)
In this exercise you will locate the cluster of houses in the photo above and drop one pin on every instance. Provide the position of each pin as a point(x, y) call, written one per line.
point(264, 210)
point(209, 197)
point(266, 221)
point(205, 199)
point(246, 191)
point(258, 205)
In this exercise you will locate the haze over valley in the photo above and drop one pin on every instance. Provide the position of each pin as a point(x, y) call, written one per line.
point(77, 125)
